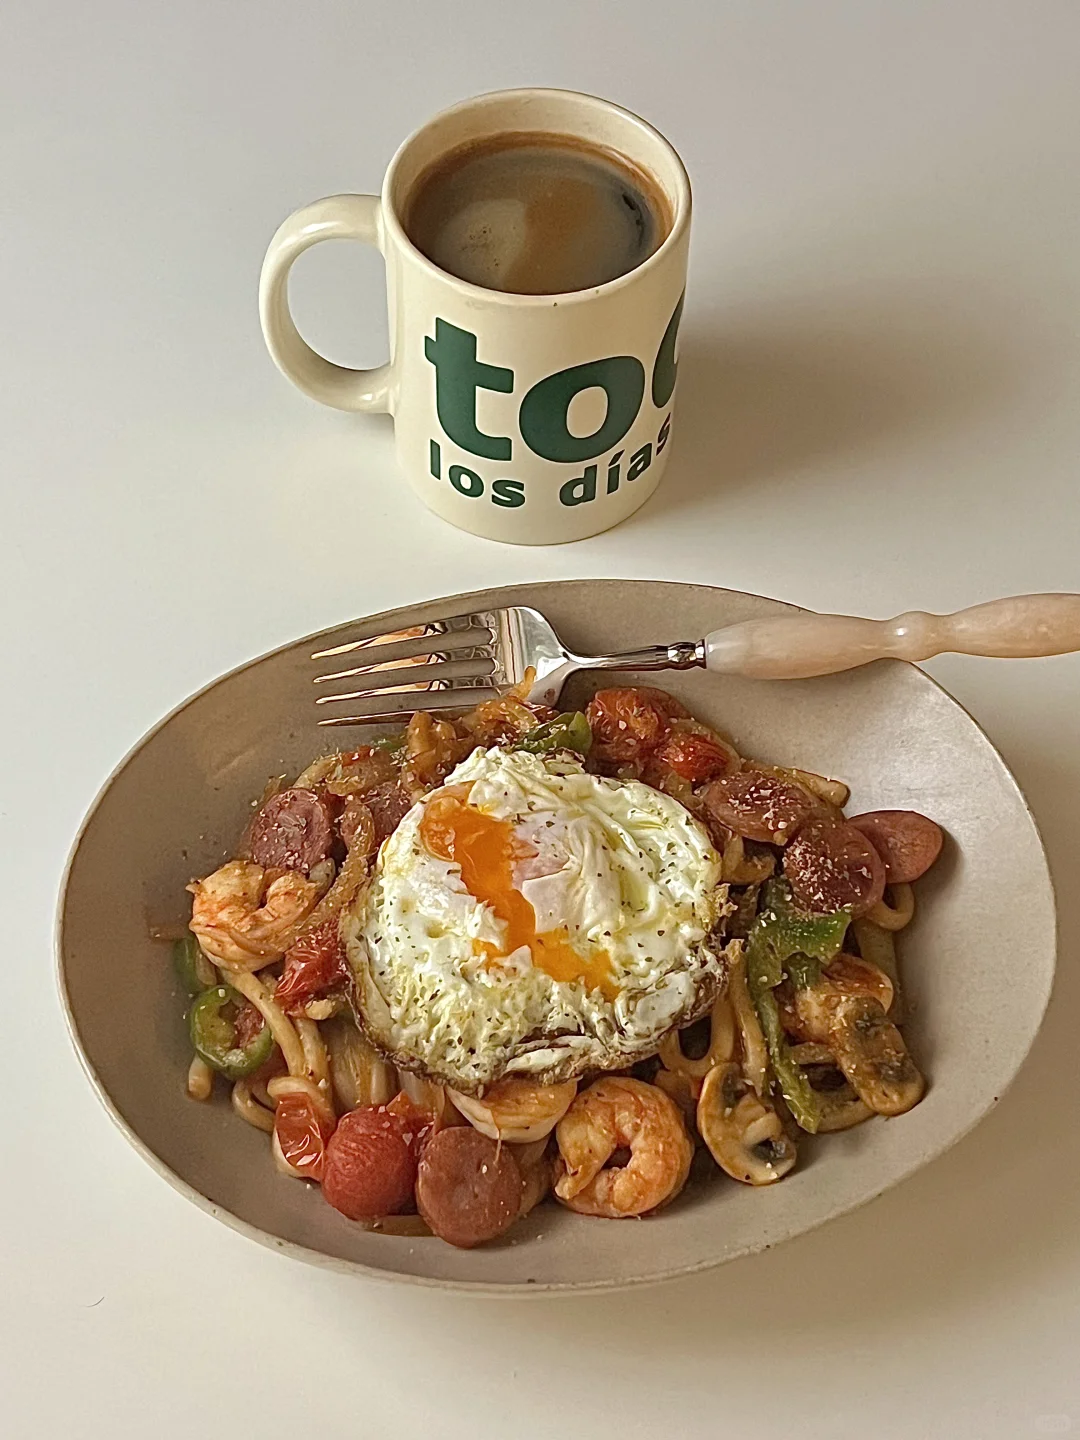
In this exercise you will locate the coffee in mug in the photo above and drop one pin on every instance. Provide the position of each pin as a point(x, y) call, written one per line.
point(536, 245)
point(536, 214)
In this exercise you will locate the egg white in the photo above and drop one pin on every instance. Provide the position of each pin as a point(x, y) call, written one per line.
point(625, 868)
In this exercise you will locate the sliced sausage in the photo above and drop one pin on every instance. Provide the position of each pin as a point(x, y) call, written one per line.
point(294, 830)
point(371, 1159)
point(358, 770)
point(469, 1188)
point(389, 804)
point(832, 866)
point(759, 806)
point(907, 842)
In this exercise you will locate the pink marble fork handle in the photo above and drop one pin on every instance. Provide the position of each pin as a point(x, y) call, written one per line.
point(794, 646)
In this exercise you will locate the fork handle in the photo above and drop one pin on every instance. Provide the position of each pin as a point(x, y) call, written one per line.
point(793, 647)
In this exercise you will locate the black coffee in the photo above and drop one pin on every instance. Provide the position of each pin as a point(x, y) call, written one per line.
point(536, 214)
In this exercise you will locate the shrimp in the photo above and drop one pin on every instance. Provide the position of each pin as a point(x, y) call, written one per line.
point(517, 1110)
point(619, 1113)
point(246, 917)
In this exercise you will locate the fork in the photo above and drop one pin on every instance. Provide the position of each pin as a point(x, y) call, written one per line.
point(453, 664)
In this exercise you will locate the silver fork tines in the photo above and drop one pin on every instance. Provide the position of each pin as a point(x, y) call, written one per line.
point(404, 661)
point(411, 641)
point(453, 674)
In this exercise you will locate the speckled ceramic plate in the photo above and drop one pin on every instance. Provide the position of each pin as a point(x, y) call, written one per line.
point(978, 960)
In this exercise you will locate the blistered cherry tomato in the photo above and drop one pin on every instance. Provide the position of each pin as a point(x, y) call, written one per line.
point(302, 1131)
point(314, 965)
point(628, 723)
point(372, 1158)
point(692, 754)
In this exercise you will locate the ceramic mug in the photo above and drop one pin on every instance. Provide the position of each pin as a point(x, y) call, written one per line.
point(533, 419)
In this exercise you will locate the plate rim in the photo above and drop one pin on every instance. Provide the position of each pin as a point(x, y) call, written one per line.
point(493, 1289)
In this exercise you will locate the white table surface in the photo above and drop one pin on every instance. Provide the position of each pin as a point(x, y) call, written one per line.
point(879, 408)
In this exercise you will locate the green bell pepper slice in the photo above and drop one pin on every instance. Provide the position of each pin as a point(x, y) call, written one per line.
point(570, 731)
point(786, 943)
point(213, 1035)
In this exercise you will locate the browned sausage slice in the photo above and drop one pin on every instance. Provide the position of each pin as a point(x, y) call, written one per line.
point(759, 806)
point(294, 830)
point(468, 1189)
point(907, 842)
point(389, 805)
point(832, 866)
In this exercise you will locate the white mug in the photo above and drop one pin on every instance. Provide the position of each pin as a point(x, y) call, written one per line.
point(483, 385)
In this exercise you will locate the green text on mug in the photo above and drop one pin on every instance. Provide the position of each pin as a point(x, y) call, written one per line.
point(543, 416)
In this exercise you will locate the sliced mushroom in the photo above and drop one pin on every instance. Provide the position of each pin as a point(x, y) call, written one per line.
point(840, 1107)
point(744, 1134)
point(871, 1052)
point(842, 1110)
point(811, 1052)
point(746, 863)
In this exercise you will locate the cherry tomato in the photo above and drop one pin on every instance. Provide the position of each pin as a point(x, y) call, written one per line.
point(302, 1132)
point(693, 754)
point(627, 724)
point(314, 964)
point(372, 1159)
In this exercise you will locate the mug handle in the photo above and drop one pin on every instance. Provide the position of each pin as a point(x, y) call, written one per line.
point(337, 217)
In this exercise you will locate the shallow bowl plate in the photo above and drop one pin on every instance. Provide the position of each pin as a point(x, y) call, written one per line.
point(977, 962)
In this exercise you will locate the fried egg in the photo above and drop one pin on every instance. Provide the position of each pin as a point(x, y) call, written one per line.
point(531, 919)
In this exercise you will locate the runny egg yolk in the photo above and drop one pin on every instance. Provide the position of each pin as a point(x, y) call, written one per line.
point(486, 848)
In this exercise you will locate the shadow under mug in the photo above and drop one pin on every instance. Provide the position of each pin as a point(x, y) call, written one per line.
point(481, 383)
